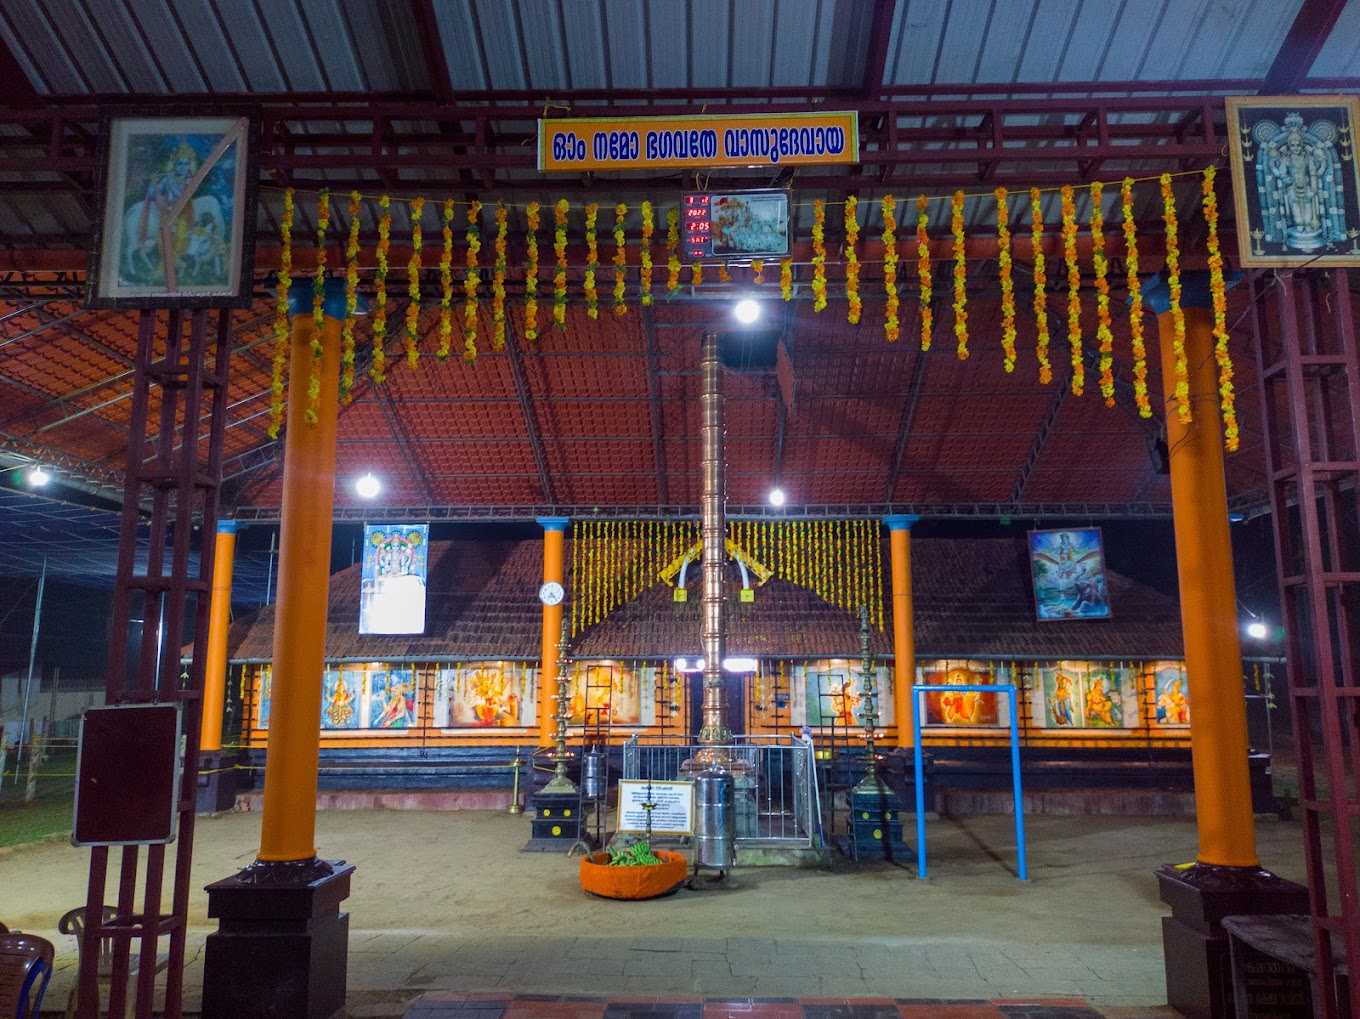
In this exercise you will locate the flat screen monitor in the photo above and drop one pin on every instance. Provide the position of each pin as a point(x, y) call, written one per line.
point(743, 224)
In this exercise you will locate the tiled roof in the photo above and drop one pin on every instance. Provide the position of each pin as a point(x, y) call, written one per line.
point(972, 597)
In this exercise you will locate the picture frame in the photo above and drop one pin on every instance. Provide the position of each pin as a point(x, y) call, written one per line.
point(181, 181)
point(1295, 180)
point(1067, 566)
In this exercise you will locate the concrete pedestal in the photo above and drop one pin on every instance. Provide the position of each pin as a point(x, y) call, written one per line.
point(556, 824)
point(1194, 943)
point(216, 782)
point(282, 943)
point(876, 825)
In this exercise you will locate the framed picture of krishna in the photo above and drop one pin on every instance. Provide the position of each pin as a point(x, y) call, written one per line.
point(177, 216)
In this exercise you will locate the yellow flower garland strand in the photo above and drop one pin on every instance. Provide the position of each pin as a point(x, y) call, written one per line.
point(786, 278)
point(323, 222)
point(1218, 293)
point(446, 282)
point(923, 272)
point(1040, 279)
point(351, 301)
point(960, 278)
point(672, 250)
point(620, 260)
point(560, 249)
point(412, 338)
point(645, 280)
point(1069, 236)
point(592, 262)
point(724, 273)
point(531, 215)
point(1140, 367)
point(282, 331)
point(498, 270)
point(1173, 282)
point(852, 314)
point(696, 274)
point(1003, 242)
point(1102, 266)
point(471, 279)
point(892, 327)
point(819, 255)
point(758, 268)
point(377, 370)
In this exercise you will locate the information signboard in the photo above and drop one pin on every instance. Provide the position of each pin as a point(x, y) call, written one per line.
point(672, 806)
point(127, 776)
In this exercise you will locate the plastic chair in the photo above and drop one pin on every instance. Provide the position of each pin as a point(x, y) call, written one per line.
point(25, 969)
point(73, 923)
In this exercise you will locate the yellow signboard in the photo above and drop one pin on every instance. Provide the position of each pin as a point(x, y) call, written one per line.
point(647, 143)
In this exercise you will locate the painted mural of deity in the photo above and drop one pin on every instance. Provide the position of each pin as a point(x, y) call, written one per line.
point(1171, 695)
point(485, 694)
point(605, 687)
point(1299, 183)
point(833, 693)
point(392, 699)
point(341, 694)
point(962, 707)
point(266, 683)
point(1084, 695)
point(1069, 574)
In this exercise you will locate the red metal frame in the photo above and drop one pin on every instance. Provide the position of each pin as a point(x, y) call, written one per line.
point(180, 483)
point(1310, 395)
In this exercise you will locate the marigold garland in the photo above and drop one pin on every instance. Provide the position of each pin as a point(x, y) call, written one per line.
point(446, 282)
point(351, 301)
point(592, 262)
point(1102, 267)
point(1140, 367)
point(819, 255)
point(471, 279)
point(645, 279)
point(620, 260)
point(1040, 279)
point(1218, 293)
point(892, 328)
point(923, 272)
point(1173, 282)
point(852, 315)
point(377, 370)
point(282, 337)
point(960, 278)
point(1004, 257)
point(673, 250)
point(724, 273)
point(560, 248)
point(758, 267)
point(412, 338)
point(323, 222)
point(786, 278)
point(696, 273)
point(498, 270)
point(1069, 236)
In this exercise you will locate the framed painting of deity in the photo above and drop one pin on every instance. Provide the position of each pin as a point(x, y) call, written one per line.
point(963, 708)
point(1084, 695)
point(1296, 179)
point(1170, 695)
point(485, 694)
point(1069, 574)
point(176, 224)
point(835, 694)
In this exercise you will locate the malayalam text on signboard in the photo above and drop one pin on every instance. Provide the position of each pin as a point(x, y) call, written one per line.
point(623, 143)
point(672, 806)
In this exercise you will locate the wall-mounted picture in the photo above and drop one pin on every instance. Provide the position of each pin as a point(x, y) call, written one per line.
point(342, 694)
point(606, 689)
point(264, 682)
point(1084, 695)
point(1170, 695)
point(392, 583)
point(1295, 178)
point(967, 708)
point(485, 695)
point(1069, 574)
point(835, 693)
point(178, 214)
point(392, 699)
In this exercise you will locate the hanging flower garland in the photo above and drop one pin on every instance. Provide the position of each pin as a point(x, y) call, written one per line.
point(498, 271)
point(758, 268)
point(471, 279)
point(1140, 367)
point(923, 272)
point(819, 255)
point(531, 216)
point(892, 328)
point(673, 250)
point(645, 279)
point(592, 262)
point(281, 328)
point(724, 273)
point(1003, 243)
point(1040, 279)
point(1173, 282)
point(960, 279)
point(852, 261)
point(377, 370)
point(412, 338)
point(560, 248)
point(1069, 236)
point(1218, 293)
point(696, 274)
point(1102, 266)
point(446, 282)
point(323, 222)
point(620, 260)
point(351, 301)
point(786, 278)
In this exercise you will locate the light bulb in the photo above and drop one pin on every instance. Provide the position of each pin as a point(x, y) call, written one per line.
point(776, 497)
point(368, 486)
point(746, 311)
point(1257, 631)
point(37, 477)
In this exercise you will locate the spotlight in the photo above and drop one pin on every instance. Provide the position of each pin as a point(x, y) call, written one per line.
point(368, 486)
point(740, 664)
point(1257, 631)
point(746, 311)
point(37, 477)
point(776, 497)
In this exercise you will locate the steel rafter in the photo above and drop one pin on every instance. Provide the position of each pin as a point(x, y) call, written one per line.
point(1302, 44)
point(402, 437)
point(654, 401)
point(531, 425)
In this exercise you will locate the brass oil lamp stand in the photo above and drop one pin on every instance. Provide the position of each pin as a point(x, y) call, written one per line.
point(560, 784)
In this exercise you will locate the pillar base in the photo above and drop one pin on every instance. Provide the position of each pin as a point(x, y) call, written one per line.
point(876, 824)
point(282, 943)
point(216, 782)
point(1194, 943)
point(556, 825)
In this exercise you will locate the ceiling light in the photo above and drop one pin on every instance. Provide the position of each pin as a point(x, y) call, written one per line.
point(740, 664)
point(1257, 631)
point(368, 486)
point(776, 497)
point(746, 311)
point(37, 477)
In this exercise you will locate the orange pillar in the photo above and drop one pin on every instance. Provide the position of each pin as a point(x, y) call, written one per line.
point(219, 620)
point(553, 595)
point(1204, 565)
point(904, 636)
point(288, 828)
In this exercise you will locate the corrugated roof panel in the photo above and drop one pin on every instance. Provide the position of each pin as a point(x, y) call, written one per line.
point(387, 45)
point(1340, 55)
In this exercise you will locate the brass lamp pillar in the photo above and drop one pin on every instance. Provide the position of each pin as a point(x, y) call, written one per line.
point(869, 695)
point(560, 783)
point(712, 527)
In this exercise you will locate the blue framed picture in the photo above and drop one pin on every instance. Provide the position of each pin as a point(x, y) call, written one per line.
point(1068, 567)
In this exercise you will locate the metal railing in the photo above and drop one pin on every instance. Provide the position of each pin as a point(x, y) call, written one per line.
point(778, 803)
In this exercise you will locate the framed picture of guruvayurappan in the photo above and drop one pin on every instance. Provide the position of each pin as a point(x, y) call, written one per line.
point(177, 221)
point(1296, 179)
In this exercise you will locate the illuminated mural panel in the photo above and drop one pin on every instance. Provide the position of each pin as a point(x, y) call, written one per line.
point(965, 708)
point(1084, 695)
point(1170, 695)
point(833, 693)
point(485, 695)
point(627, 692)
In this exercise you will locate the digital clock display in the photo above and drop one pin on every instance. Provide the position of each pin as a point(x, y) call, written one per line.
point(739, 225)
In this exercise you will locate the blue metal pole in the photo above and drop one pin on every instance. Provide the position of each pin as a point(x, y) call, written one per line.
point(917, 757)
point(1015, 781)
